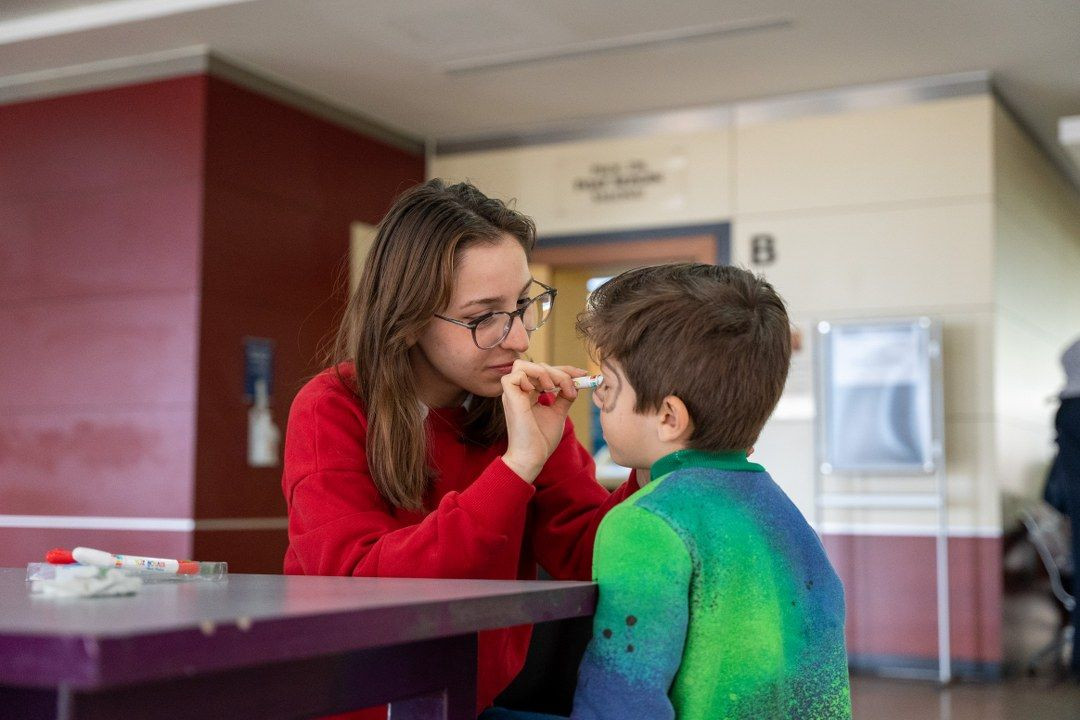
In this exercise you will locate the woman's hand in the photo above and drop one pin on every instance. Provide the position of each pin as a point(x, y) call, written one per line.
point(533, 428)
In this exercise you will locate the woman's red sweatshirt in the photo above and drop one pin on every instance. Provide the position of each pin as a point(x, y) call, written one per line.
point(486, 522)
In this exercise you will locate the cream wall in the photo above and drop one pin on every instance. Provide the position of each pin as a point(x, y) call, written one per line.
point(899, 210)
point(882, 212)
point(1037, 303)
point(698, 166)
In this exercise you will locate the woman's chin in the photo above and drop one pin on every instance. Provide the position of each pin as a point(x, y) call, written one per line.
point(487, 390)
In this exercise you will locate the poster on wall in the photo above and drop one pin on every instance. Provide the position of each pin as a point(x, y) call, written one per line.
point(878, 393)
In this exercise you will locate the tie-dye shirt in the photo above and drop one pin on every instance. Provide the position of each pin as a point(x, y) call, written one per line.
point(716, 601)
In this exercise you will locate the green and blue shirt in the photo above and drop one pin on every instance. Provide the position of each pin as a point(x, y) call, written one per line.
point(716, 601)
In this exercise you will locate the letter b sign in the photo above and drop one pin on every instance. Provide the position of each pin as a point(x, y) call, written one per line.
point(762, 249)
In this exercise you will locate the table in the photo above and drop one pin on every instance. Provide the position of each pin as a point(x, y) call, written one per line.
point(262, 646)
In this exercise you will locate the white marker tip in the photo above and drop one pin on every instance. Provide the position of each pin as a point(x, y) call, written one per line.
point(588, 383)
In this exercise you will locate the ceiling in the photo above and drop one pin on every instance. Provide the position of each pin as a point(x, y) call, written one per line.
point(446, 70)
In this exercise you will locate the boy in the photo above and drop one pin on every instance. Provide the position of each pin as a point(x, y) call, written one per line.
point(716, 597)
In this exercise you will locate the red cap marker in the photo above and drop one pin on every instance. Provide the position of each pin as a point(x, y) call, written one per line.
point(59, 556)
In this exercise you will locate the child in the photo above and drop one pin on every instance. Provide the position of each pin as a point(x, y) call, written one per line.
point(716, 597)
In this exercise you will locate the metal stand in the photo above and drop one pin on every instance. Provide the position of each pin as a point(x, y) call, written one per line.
point(938, 500)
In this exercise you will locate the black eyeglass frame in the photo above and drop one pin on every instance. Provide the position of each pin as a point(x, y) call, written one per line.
point(519, 314)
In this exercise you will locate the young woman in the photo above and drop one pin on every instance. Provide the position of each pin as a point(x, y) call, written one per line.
point(423, 451)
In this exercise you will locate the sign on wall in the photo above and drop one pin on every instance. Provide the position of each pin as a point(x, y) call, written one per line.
point(655, 179)
point(258, 366)
point(762, 249)
point(879, 383)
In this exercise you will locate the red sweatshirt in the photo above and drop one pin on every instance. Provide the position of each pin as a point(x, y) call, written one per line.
point(486, 522)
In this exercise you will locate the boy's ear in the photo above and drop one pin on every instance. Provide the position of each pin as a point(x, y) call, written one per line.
point(674, 423)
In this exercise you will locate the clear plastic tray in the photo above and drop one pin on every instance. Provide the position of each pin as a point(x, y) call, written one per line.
point(208, 571)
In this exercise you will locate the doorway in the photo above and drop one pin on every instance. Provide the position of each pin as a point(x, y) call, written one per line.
point(571, 262)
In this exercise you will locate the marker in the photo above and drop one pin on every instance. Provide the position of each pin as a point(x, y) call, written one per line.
point(581, 383)
point(165, 566)
point(588, 383)
point(59, 556)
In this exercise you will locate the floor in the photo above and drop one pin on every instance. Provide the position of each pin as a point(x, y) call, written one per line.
point(1034, 699)
point(1030, 621)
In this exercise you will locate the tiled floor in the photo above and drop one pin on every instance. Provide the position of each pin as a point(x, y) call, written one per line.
point(1037, 699)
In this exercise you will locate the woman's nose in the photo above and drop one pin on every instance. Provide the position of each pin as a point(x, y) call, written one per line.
point(518, 337)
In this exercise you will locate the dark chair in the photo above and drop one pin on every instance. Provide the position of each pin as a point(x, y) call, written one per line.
point(1049, 532)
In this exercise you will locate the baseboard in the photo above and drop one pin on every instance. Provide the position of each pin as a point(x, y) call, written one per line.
point(906, 666)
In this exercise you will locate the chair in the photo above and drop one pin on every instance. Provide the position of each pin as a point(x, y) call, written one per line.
point(1048, 530)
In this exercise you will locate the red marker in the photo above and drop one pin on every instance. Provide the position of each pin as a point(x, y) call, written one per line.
point(59, 556)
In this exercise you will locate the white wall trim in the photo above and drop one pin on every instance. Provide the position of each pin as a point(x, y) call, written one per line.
point(81, 522)
point(193, 60)
point(100, 74)
point(907, 530)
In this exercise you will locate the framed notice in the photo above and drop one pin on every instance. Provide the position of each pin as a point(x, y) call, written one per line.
point(879, 397)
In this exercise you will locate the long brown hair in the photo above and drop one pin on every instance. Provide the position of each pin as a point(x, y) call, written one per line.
point(407, 277)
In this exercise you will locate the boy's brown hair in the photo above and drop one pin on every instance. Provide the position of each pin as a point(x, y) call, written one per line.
point(717, 337)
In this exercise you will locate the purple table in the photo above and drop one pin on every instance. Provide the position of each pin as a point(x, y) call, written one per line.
point(262, 646)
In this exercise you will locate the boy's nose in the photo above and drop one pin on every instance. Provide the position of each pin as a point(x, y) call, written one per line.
point(518, 338)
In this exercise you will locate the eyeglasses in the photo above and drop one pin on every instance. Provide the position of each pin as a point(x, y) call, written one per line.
point(492, 328)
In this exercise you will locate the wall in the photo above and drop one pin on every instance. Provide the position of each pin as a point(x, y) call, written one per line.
point(147, 230)
point(877, 210)
point(696, 190)
point(100, 214)
point(1037, 304)
point(282, 191)
point(888, 212)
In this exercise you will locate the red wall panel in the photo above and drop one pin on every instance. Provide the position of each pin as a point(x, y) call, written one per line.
point(126, 137)
point(247, 551)
point(24, 545)
point(890, 586)
point(114, 463)
point(100, 210)
point(282, 189)
point(101, 241)
point(146, 231)
point(101, 352)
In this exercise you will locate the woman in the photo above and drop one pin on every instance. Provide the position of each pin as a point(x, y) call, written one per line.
point(423, 452)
